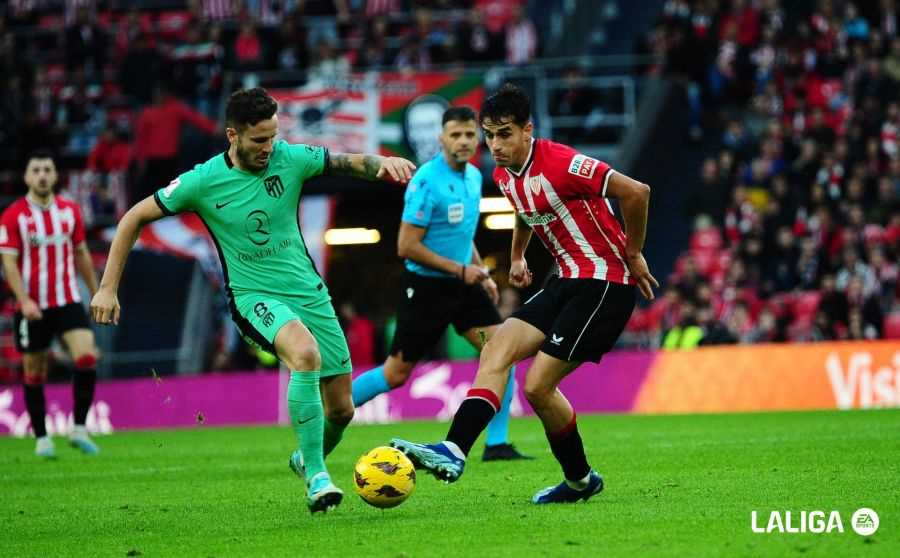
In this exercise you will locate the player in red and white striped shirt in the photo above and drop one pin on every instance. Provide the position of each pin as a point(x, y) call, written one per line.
point(42, 243)
point(559, 195)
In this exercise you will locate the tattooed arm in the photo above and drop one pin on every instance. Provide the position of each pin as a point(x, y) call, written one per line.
point(370, 167)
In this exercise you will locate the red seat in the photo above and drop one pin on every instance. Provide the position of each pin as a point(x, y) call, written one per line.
point(706, 239)
point(892, 326)
point(806, 304)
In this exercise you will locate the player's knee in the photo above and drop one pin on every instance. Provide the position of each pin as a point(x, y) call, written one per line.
point(494, 358)
point(304, 356)
point(340, 415)
point(34, 378)
point(537, 394)
point(86, 361)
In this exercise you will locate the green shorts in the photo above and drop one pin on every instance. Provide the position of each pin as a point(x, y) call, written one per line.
point(260, 316)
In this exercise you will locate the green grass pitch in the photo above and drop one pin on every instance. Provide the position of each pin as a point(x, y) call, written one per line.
point(675, 486)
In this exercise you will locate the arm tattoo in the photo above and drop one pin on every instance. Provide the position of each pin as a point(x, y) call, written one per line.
point(371, 163)
point(360, 166)
point(339, 164)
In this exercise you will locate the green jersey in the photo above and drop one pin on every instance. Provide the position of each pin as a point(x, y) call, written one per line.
point(253, 219)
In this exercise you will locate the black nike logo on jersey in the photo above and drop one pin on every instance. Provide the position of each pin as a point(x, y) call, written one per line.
point(345, 361)
point(303, 421)
point(221, 205)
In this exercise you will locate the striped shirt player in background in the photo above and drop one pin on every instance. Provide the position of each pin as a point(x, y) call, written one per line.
point(42, 242)
point(559, 195)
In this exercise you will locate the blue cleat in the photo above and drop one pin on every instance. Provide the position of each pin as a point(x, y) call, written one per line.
point(295, 462)
point(562, 493)
point(437, 459)
point(323, 495)
point(79, 439)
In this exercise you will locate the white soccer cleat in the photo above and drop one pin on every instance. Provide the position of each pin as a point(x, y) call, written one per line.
point(79, 439)
point(44, 448)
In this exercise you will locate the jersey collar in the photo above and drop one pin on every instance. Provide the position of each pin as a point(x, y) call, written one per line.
point(528, 161)
point(40, 207)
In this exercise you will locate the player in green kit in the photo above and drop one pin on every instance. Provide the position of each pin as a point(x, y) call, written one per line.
point(248, 198)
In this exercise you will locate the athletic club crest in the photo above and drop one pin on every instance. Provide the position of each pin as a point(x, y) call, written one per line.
point(534, 182)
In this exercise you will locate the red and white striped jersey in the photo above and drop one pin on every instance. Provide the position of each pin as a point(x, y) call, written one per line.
point(44, 238)
point(561, 193)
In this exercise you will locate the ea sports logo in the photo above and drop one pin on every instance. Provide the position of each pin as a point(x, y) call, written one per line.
point(864, 522)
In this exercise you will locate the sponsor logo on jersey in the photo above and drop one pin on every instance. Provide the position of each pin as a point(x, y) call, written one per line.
point(583, 166)
point(257, 227)
point(538, 218)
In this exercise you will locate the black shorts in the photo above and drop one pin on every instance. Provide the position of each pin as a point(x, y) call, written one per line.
point(582, 318)
point(35, 337)
point(429, 304)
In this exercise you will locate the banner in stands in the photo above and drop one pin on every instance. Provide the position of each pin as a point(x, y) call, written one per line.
point(396, 114)
point(717, 379)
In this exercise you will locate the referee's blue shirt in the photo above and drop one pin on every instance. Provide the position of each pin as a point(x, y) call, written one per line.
point(445, 202)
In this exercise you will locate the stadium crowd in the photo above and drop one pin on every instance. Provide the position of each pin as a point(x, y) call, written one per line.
point(797, 209)
point(128, 93)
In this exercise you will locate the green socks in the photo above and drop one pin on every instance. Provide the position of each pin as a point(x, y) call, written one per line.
point(333, 434)
point(307, 419)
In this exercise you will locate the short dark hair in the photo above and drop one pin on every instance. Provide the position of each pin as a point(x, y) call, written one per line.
point(42, 153)
point(458, 114)
point(509, 102)
point(246, 107)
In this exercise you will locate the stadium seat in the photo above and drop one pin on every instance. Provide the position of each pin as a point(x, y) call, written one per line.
point(892, 326)
point(806, 304)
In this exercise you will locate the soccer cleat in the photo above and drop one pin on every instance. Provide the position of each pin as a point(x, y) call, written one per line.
point(502, 452)
point(79, 439)
point(437, 459)
point(44, 448)
point(563, 493)
point(295, 462)
point(322, 494)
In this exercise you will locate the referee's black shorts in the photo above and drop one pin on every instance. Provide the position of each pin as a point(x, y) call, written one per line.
point(429, 304)
point(582, 318)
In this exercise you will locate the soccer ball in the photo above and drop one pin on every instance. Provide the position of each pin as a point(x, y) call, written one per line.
point(384, 477)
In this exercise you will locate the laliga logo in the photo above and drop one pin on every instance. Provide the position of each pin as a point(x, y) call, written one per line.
point(864, 522)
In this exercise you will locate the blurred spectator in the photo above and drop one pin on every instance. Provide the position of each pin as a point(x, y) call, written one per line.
point(288, 50)
point(197, 70)
point(521, 38)
point(111, 152)
point(157, 144)
point(140, 70)
point(374, 51)
point(330, 65)
point(217, 10)
point(248, 48)
point(497, 14)
point(477, 43)
point(855, 26)
point(360, 334)
point(321, 18)
point(854, 267)
point(85, 44)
